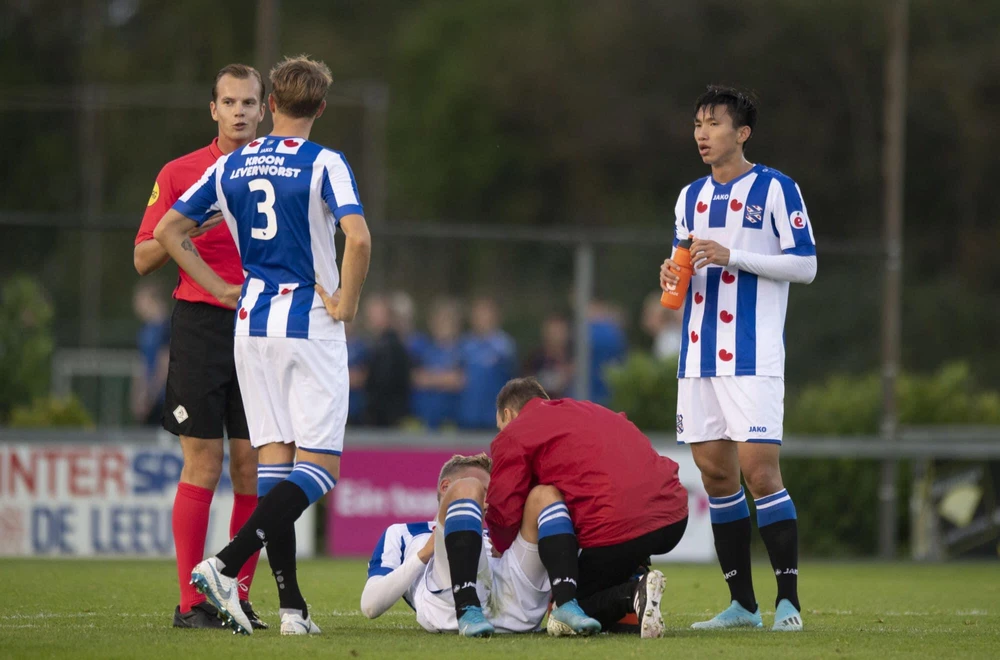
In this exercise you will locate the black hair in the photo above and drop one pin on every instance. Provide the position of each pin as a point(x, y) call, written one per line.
point(740, 104)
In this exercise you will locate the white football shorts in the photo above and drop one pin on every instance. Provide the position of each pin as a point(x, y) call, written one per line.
point(738, 408)
point(295, 391)
point(514, 589)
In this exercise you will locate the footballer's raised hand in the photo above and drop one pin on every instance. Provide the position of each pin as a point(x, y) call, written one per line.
point(708, 253)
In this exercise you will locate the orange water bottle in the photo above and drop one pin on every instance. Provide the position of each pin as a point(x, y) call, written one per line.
point(674, 298)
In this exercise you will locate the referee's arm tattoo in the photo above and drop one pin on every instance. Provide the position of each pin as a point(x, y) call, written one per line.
point(189, 246)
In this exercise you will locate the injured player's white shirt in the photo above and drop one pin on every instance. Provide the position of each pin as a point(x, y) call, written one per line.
point(510, 601)
point(395, 567)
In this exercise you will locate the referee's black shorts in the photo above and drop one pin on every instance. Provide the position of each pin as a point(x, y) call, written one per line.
point(203, 395)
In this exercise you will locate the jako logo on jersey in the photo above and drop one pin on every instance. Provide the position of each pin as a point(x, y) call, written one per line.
point(755, 214)
point(680, 424)
point(758, 429)
point(719, 197)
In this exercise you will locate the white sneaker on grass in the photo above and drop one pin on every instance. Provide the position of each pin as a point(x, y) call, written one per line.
point(222, 592)
point(294, 624)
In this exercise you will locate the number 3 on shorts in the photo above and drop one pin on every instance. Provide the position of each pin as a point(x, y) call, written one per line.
point(267, 208)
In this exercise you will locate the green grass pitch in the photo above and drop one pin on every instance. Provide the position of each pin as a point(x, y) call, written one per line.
point(122, 609)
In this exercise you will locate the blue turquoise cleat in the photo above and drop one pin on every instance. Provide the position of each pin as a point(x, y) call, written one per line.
point(569, 619)
point(474, 624)
point(734, 616)
point(786, 617)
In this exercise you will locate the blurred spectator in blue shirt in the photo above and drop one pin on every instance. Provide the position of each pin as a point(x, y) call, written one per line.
point(153, 341)
point(437, 367)
point(552, 362)
point(488, 355)
point(607, 347)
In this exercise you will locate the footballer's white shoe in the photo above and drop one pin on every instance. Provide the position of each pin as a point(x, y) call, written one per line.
point(294, 624)
point(648, 593)
point(222, 592)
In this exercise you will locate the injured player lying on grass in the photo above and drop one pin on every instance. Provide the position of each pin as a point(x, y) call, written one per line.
point(445, 570)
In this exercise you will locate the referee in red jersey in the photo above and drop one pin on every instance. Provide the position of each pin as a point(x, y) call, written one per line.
point(203, 400)
point(624, 499)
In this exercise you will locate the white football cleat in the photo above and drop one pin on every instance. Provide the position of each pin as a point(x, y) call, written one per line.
point(648, 594)
point(222, 592)
point(294, 624)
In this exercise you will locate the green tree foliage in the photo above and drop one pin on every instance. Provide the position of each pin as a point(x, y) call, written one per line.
point(25, 342)
point(51, 412)
point(646, 389)
point(839, 521)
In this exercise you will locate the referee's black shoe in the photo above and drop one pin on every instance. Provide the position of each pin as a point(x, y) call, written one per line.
point(202, 615)
point(255, 621)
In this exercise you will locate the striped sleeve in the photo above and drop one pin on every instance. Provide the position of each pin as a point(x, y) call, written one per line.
point(201, 200)
point(680, 223)
point(791, 220)
point(340, 190)
point(388, 554)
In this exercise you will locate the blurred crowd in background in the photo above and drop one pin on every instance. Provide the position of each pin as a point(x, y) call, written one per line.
point(439, 367)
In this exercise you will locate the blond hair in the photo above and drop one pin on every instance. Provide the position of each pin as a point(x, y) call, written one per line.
point(299, 85)
point(459, 462)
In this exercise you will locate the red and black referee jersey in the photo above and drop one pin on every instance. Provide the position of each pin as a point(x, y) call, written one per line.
point(616, 486)
point(216, 246)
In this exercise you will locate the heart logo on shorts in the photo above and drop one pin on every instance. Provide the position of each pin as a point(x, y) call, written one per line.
point(725, 355)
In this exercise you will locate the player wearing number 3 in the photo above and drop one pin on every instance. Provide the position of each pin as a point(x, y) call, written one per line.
point(751, 237)
point(283, 198)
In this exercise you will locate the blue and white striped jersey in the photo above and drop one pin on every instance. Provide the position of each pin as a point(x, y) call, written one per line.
point(734, 320)
point(398, 542)
point(282, 199)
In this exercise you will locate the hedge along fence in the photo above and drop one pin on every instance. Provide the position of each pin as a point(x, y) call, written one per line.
point(836, 498)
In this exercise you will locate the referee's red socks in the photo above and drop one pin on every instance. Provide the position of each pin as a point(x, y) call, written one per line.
point(243, 506)
point(190, 524)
